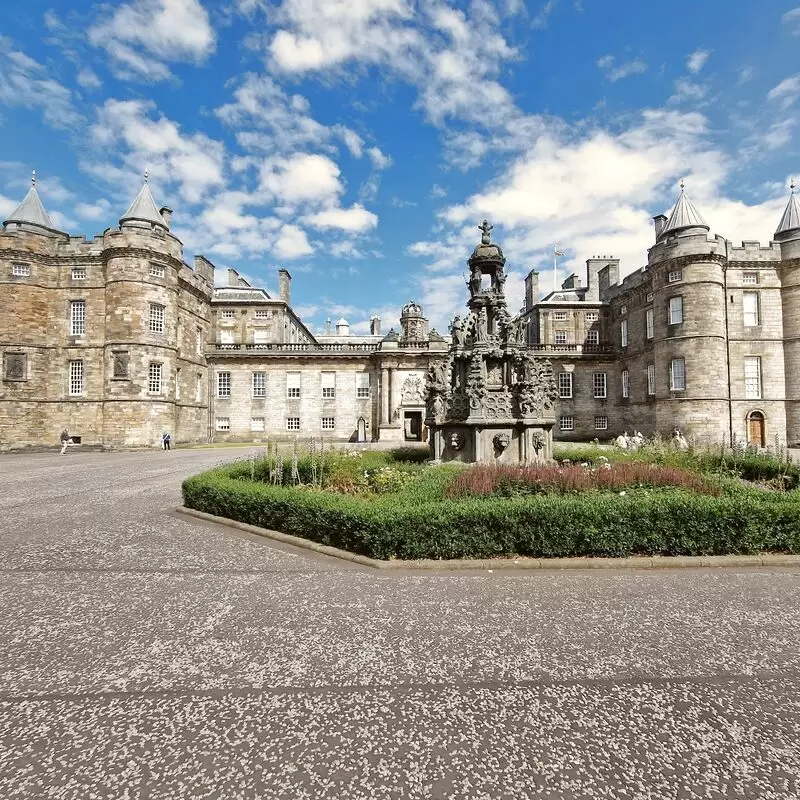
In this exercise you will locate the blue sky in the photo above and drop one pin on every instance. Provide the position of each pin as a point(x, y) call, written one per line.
point(359, 142)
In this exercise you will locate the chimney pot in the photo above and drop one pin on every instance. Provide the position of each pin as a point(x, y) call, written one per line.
point(285, 286)
point(166, 214)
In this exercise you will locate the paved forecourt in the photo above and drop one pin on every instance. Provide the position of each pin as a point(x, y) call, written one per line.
point(147, 655)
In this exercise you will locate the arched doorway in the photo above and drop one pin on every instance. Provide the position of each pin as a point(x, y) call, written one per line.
point(756, 429)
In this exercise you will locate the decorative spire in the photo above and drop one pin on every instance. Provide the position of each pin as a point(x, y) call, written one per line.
point(486, 232)
point(790, 221)
point(684, 215)
point(31, 210)
point(143, 209)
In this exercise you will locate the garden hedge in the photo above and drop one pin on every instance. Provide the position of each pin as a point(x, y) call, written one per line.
point(670, 522)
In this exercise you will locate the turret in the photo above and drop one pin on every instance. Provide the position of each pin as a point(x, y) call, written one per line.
point(685, 218)
point(788, 231)
point(413, 324)
point(30, 216)
point(143, 211)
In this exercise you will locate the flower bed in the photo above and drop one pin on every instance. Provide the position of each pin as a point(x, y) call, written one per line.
point(436, 512)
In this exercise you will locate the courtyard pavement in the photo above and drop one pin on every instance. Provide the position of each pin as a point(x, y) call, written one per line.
point(149, 656)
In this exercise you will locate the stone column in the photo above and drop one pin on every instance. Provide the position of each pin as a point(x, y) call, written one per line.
point(385, 390)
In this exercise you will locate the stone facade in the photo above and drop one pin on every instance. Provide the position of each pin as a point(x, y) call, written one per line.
point(118, 339)
point(704, 338)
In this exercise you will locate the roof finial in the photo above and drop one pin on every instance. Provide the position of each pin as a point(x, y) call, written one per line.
point(33, 177)
point(486, 232)
point(682, 184)
point(146, 174)
point(791, 185)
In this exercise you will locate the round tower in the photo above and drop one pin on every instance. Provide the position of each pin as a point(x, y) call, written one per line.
point(788, 236)
point(688, 371)
point(413, 323)
point(142, 261)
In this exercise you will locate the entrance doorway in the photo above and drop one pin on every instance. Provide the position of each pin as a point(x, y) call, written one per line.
point(756, 433)
point(412, 426)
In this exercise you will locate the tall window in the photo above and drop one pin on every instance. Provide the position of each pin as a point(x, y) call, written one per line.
point(593, 337)
point(156, 318)
point(198, 342)
point(623, 332)
point(154, 378)
point(292, 423)
point(362, 385)
point(651, 379)
point(675, 310)
point(599, 384)
point(178, 383)
point(626, 383)
point(561, 337)
point(750, 302)
point(648, 323)
point(77, 318)
point(198, 387)
point(293, 385)
point(75, 378)
point(259, 384)
point(677, 375)
point(328, 385)
point(752, 377)
point(223, 384)
point(565, 384)
point(260, 336)
point(566, 423)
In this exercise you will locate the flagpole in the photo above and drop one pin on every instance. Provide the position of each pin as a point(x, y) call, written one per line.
point(556, 254)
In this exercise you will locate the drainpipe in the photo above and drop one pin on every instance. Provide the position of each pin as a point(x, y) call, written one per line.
point(727, 344)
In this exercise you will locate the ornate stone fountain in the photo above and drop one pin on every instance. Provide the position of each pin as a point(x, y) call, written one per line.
point(490, 399)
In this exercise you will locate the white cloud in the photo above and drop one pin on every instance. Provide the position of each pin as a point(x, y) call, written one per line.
point(292, 243)
point(132, 131)
point(542, 17)
point(379, 159)
point(142, 36)
point(301, 178)
point(88, 78)
point(615, 72)
point(697, 60)
point(352, 140)
point(94, 211)
point(28, 84)
point(688, 91)
point(355, 219)
point(786, 92)
point(791, 19)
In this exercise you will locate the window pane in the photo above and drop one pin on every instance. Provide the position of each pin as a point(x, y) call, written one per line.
point(362, 385)
point(156, 318)
point(223, 384)
point(752, 377)
point(293, 384)
point(649, 322)
point(750, 304)
point(651, 379)
point(567, 423)
point(259, 384)
point(677, 375)
point(154, 379)
point(75, 378)
point(675, 310)
point(624, 332)
point(593, 337)
point(625, 383)
point(565, 384)
point(561, 337)
point(601, 423)
point(77, 318)
point(599, 384)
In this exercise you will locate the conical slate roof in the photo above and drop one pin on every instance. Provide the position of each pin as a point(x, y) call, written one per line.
point(143, 208)
point(790, 221)
point(31, 211)
point(683, 216)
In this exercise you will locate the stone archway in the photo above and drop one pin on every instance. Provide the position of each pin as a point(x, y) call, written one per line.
point(756, 429)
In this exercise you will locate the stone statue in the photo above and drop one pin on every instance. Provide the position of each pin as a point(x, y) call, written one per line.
point(486, 232)
point(515, 330)
point(502, 441)
point(475, 278)
point(456, 440)
point(481, 332)
point(678, 440)
point(501, 280)
point(457, 331)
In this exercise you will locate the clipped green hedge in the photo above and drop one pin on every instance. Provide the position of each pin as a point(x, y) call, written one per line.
point(417, 526)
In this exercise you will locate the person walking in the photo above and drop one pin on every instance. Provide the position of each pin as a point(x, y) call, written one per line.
point(165, 440)
point(64, 441)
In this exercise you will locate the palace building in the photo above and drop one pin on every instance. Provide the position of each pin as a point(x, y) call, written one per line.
point(118, 339)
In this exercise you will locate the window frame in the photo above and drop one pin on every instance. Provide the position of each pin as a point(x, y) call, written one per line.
point(759, 389)
point(78, 274)
point(294, 392)
point(673, 387)
point(331, 426)
point(157, 322)
point(671, 310)
point(675, 276)
point(597, 379)
point(601, 427)
point(259, 392)
point(224, 385)
point(76, 376)
point(626, 384)
point(623, 332)
point(20, 270)
point(559, 316)
point(570, 381)
point(290, 424)
point(363, 392)
point(155, 378)
point(651, 380)
point(157, 270)
point(328, 392)
point(753, 314)
point(593, 337)
point(218, 424)
point(562, 336)
point(649, 323)
point(754, 275)
point(77, 321)
point(562, 420)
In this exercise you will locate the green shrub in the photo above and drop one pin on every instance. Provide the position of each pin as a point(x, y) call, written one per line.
point(412, 454)
point(416, 522)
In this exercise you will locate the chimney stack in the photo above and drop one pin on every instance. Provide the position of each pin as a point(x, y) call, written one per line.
point(233, 277)
point(660, 222)
point(572, 282)
point(166, 213)
point(285, 286)
point(594, 266)
point(328, 326)
point(531, 289)
point(375, 326)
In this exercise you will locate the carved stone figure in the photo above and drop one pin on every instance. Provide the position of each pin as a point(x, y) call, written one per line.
point(456, 440)
point(501, 281)
point(475, 278)
point(457, 331)
point(481, 331)
point(502, 441)
point(411, 392)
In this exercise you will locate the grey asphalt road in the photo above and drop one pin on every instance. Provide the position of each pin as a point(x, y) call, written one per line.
point(150, 656)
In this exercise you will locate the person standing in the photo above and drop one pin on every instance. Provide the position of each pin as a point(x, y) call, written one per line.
point(64, 441)
point(165, 440)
